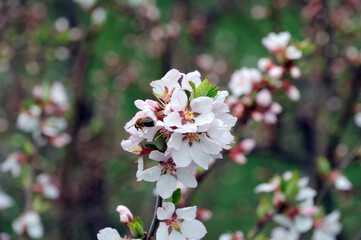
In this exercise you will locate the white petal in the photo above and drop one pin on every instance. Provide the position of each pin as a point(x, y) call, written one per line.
point(201, 104)
point(179, 100)
point(151, 174)
point(343, 184)
point(162, 232)
point(173, 119)
point(193, 229)
point(166, 185)
point(283, 220)
point(199, 156)
point(174, 235)
point(186, 177)
point(108, 234)
point(209, 146)
point(158, 156)
point(303, 224)
point(182, 157)
point(204, 118)
point(188, 213)
point(166, 211)
point(175, 141)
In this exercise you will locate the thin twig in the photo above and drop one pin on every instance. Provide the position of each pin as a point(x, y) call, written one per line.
point(155, 221)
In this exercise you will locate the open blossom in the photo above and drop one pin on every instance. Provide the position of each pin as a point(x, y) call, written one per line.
point(340, 181)
point(244, 147)
point(187, 125)
point(28, 120)
point(328, 227)
point(280, 233)
point(166, 174)
point(111, 234)
point(276, 42)
point(5, 200)
point(178, 224)
point(125, 214)
point(242, 81)
point(13, 164)
point(46, 187)
point(30, 223)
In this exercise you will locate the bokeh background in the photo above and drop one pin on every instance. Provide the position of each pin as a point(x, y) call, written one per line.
point(106, 53)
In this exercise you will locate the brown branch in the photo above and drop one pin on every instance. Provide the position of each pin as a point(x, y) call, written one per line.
point(155, 222)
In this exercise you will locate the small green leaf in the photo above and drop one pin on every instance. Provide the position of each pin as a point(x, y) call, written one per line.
point(263, 207)
point(137, 219)
point(28, 148)
point(261, 237)
point(176, 196)
point(159, 142)
point(136, 229)
point(151, 146)
point(323, 165)
point(192, 85)
point(292, 186)
point(206, 89)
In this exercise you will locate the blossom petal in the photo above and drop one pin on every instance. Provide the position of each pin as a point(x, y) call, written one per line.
point(187, 213)
point(201, 104)
point(209, 146)
point(151, 174)
point(193, 229)
point(174, 235)
point(173, 119)
point(182, 157)
point(175, 141)
point(199, 156)
point(158, 156)
point(162, 232)
point(108, 233)
point(303, 223)
point(166, 211)
point(166, 185)
point(179, 100)
point(186, 177)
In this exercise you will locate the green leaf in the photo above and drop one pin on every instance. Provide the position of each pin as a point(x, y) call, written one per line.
point(136, 229)
point(137, 219)
point(159, 142)
point(28, 148)
point(206, 89)
point(151, 146)
point(176, 196)
point(261, 237)
point(292, 186)
point(323, 165)
point(263, 207)
point(192, 85)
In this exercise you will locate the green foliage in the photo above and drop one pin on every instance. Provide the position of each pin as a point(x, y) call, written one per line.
point(137, 228)
point(175, 198)
point(206, 89)
point(292, 186)
point(263, 207)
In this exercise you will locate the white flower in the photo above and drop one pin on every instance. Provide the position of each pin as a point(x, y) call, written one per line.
point(5, 200)
point(180, 226)
point(188, 116)
point(192, 146)
point(166, 174)
point(276, 42)
point(242, 81)
point(98, 15)
point(108, 234)
point(125, 214)
point(293, 93)
point(58, 94)
point(280, 233)
point(236, 236)
point(264, 64)
point(164, 87)
point(275, 72)
point(53, 126)
point(357, 119)
point(85, 4)
point(49, 189)
point(30, 223)
point(342, 183)
point(28, 120)
point(328, 228)
point(295, 72)
point(293, 53)
point(12, 165)
point(264, 98)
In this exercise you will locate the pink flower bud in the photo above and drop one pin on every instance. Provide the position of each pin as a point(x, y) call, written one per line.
point(204, 214)
point(248, 145)
point(295, 72)
point(125, 215)
point(264, 98)
point(293, 93)
point(275, 72)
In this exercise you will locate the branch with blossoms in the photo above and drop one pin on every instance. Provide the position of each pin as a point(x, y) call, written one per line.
point(42, 118)
point(188, 128)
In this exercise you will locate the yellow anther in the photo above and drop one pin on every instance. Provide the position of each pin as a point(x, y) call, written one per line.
point(188, 115)
point(193, 137)
point(135, 150)
point(176, 225)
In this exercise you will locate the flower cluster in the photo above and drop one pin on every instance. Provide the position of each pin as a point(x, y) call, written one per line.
point(44, 116)
point(251, 87)
point(187, 127)
point(229, 236)
point(292, 206)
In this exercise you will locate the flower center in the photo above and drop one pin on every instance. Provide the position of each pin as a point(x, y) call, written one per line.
point(176, 225)
point(188, 115)
point(193, 137)
point(135, 150)
point(169, 167)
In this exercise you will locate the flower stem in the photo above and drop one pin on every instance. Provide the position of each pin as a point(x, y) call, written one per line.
point(155, 221)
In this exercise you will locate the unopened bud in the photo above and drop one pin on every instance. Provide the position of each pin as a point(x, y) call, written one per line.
point(125, 215)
